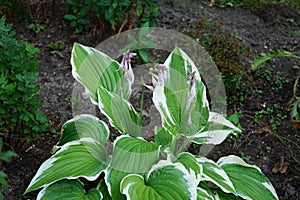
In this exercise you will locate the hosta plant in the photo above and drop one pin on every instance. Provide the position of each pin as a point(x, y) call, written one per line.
point(137, 168)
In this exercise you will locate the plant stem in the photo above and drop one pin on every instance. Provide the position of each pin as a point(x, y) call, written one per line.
point(174, 145)
point(141, 105)
point(184, 144)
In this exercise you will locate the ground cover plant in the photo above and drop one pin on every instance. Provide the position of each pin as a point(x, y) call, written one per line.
point(137, 168)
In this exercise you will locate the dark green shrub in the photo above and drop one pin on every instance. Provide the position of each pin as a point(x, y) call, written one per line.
point(98, 13)
point(19, 95)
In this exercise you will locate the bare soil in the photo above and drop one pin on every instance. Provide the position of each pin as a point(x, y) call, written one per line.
point(271, 29)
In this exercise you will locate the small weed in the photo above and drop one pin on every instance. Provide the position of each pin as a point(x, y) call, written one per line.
point(235, 119)
point(36, 26)
point(244, 157)
point(296, 33)
point(272, 75)
point(219, 153)
point(274, 114)
point(56, 46)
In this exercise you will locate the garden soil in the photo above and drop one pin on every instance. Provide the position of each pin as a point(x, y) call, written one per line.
point(276, 152)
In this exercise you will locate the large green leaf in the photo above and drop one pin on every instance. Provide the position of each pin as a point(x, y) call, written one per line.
point(84, 158)
point(130, 155)
point(248, 180)
point(181, 112)
point(68, 189)
point(120, 112)
point(164, 181)
point(93, 68)
point(84, 126)
point(216, 130)
point(214, 173)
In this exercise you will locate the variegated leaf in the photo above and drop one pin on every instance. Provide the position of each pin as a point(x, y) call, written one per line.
point(248, 180)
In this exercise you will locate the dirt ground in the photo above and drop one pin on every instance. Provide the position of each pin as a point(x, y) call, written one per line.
point(270, 29)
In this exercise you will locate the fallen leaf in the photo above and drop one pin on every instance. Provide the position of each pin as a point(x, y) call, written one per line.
point(296, 124)
point(281, 166)
point(262, 133)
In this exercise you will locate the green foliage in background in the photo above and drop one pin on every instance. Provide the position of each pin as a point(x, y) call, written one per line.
point(13, 10)
point(19, 95)
point(85, 13)
point(256, 5)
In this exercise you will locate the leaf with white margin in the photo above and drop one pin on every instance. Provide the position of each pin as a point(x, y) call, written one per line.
point(120, 112)
point(162, 137)
point(171, 97)
point(203, 194)
point(130, 156)
point(248, 180)
point(214, 173)
point(216, 130)
point(104, 190)
point(68, 189)
point(164, 181)
point(93, 68)
point(84, 126)
point(83, 158)
point(189, 161)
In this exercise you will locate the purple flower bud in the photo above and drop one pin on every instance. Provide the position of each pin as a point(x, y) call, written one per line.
point(158, 73)
point(126, 67)
point(192, 93)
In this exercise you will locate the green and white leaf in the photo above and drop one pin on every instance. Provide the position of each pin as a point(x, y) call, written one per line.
point(214, 173)
point(104, 190)
point(171, 97)
point(130, 156)
point(84, 126)
point(215, 194)
point(164, 181)
point(216, 130)
point(120, 112)
point(203, 194)
point(93, 68)
point(189, 161)
point(68, 189)
point(162, 137)
point(84, 158)
point(248, 180)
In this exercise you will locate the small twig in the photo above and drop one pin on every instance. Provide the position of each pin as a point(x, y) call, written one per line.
point(123, 24)
point(294, 90)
